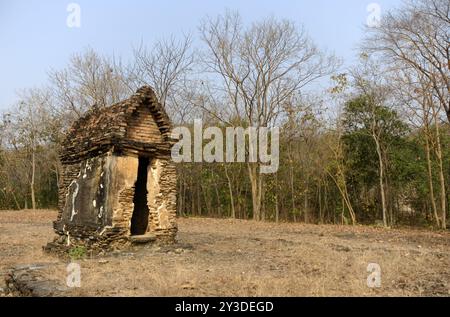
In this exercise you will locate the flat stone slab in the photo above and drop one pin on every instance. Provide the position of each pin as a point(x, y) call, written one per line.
point(146, 238)
point(29, 280)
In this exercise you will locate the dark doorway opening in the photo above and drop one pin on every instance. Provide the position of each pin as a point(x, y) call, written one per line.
point(139, 220)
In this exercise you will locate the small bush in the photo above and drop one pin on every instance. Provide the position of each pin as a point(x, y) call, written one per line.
point(77, 252)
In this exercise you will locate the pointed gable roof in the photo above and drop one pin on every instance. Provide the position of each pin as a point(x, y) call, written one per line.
point(100, 129)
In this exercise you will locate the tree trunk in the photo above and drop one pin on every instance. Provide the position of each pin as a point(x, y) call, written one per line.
point(207, 199)
point(15, 200)
point(430, 177)
point(33, 175)
point(342, 188)
point(263, 203)
point(277, 209)
point(230, 190)
point(441, 175)
point(180, 197)
point(193, 210)
point(381, 179)
point(294, 211)
point(340, 181)
point(183, 201)
point(305, 206)
point(319, 190)
point(256, 182)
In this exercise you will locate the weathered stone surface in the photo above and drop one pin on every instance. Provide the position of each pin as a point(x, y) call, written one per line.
point(139, 123)
point(28, 280)
point(99, 200)
point(3, 285)
point(143, 239)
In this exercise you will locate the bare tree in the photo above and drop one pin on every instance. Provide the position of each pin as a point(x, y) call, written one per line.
point(88, 80)
point(416, 93)
point(166, 67)
point(28, 131)
point(418, 36)
point(370, 84)
point(337, 169)
point(257, 69)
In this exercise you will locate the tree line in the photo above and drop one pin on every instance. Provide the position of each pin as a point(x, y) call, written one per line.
point(364, 144)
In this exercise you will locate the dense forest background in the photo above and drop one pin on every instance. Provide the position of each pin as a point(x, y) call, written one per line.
point(364, 144)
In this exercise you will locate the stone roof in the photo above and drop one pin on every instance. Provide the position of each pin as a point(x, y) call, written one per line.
point(101, 129)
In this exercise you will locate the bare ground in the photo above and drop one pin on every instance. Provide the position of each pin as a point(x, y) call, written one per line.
point(244, 258)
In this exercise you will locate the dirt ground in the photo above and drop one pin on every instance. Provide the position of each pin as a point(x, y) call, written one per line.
point(244, 258)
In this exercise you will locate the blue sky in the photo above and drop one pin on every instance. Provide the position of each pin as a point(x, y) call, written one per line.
point(34, 36)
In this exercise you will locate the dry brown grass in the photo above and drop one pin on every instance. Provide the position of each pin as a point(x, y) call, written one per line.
point(244, 258)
